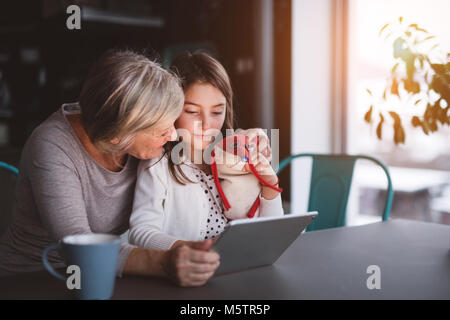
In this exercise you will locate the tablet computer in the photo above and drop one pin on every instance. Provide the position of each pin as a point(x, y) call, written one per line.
point(250, 243)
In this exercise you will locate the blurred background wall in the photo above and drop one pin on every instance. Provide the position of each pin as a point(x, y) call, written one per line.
point(299, 66)
point(43, 64)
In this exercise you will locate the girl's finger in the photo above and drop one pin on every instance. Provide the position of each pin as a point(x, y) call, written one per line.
point(253, 156)
point(261, 146)
point(258, 158)
point(264, 169)
point(268, 153)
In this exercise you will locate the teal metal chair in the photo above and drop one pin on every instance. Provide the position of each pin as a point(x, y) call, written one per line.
point(8, 177)
point(331, 179)
point(8, 167)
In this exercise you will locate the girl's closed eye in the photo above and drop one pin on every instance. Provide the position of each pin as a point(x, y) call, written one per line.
point(166, 133)
point(218, 110)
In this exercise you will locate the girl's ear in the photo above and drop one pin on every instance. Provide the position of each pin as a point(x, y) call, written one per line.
point(116, 140)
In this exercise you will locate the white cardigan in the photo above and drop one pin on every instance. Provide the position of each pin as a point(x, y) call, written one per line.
point(165, 211)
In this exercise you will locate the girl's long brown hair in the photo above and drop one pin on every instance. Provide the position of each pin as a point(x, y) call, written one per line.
point(199, 67)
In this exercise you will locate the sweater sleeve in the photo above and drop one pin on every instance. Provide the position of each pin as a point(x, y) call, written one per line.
point(58, 194)
point(271, 208)
point(147, 218)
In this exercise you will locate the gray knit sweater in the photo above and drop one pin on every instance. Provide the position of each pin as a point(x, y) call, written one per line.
point(62, 190)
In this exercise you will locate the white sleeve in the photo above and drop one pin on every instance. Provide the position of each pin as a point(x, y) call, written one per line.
point(147, 218)
point(271, 208)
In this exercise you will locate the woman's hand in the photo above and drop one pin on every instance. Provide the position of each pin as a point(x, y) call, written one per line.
point(190, 263)
point(187, 263)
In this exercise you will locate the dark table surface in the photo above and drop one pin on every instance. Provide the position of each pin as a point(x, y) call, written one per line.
point(413, 257)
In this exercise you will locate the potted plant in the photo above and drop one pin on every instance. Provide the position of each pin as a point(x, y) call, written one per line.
point(420, 77)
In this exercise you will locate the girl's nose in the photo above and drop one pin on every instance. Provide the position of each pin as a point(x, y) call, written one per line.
point(205, 123)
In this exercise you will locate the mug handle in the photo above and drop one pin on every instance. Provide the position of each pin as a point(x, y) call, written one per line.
point(47, 265)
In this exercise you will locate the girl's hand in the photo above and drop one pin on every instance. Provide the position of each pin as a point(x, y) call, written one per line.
point(265, 170)
point(259, 142)
point(260, 154)
point(262, 166)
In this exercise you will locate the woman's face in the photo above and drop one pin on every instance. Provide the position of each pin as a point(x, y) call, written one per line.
point(203, 115)
point(148, 144)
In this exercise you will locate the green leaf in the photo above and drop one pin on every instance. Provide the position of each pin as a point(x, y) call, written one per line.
point(410, 67)
point(415, 26)
point(430, 119)
point(399, 133)
point(425, 128)
point(411, 86)
point(442, 115)
point(428, 38)
point(388, 35)
point(441, 84)
point(433, 125)
point(395, 67)
point(368, 115)
point(370, 92)
point(428, 114)
point(420, 61)
point(395, 116)
point(434, 47)
point(418, 100)
point(394, 87)
point(438, 68)
point(423, 30)
point(380, 127)
point(399, 47)
point(415, 121)
point(382, 29)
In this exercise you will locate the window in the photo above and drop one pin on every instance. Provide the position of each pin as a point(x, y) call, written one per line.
point(420, 168)
point(370, 62)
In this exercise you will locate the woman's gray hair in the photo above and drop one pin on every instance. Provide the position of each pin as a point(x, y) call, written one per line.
point(125, 92)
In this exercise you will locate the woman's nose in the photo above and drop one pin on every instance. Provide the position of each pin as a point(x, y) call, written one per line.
point(173, 135)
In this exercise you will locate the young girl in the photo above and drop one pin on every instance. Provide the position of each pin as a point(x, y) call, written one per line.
point(178, 202)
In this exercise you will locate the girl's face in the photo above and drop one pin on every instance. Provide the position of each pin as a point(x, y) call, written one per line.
point(203, 115)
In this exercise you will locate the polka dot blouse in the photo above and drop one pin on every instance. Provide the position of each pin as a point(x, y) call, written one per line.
point(216, 220)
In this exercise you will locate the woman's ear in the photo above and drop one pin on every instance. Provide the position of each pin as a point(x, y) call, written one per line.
point(116, 140)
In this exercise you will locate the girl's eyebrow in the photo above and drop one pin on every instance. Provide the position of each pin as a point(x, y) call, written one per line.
point(221, 104)
point(194, 104)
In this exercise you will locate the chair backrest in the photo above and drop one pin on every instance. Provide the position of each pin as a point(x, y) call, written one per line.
point(8, 177)
point(331, 178)
point(8, 167)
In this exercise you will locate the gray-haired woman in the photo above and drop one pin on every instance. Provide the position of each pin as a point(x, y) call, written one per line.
point(78, 171)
